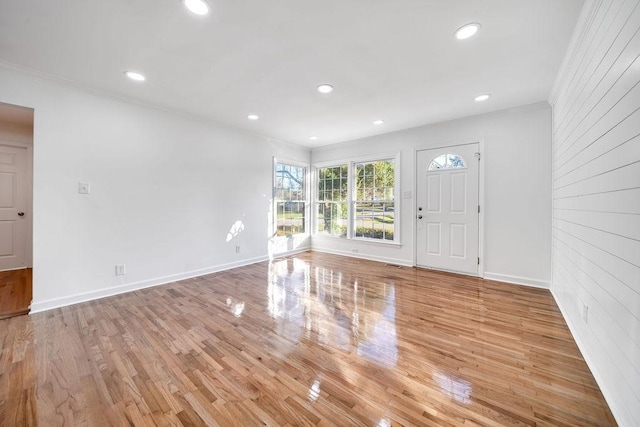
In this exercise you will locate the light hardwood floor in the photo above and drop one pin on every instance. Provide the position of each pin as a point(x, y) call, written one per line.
point(15, 292)
point(314, 339)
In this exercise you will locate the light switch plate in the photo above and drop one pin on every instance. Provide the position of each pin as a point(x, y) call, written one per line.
point(406, 194)
point(84, 188)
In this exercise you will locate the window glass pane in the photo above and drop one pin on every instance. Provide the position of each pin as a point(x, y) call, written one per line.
point(374, 220)
point(290, 218)
point(290, 198)
point(332, 218)
point(375, 180)
point(447, 161)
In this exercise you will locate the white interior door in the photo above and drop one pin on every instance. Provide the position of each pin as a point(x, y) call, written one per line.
point(447, 208)
point(13, 204)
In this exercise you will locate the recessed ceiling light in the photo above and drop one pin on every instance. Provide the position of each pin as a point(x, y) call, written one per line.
point(378, 122)
point(313, 138)
point(135, 76)
point(325, 88)
point(481, 98)
point(467, 31)
point(252, 117)
point(199, 7)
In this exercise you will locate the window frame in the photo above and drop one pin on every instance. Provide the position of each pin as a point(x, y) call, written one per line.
point(355, 200)
point(351, 190)
point(275, 200)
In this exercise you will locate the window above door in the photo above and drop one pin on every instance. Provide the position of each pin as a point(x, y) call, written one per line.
point(447, 161)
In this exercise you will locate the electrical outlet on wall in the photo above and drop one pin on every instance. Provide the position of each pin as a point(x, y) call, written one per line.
point(585, 313)
point(120, 270)
point(237, 249)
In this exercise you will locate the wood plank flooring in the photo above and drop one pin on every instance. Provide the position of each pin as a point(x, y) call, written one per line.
point(313, 339)
point(15, 292)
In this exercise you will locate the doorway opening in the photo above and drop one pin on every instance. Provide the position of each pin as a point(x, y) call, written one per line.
point(16, 210)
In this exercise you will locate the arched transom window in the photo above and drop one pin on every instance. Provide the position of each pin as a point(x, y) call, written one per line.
point(447, 161)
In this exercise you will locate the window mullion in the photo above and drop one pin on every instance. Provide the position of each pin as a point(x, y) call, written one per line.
point(351, 188)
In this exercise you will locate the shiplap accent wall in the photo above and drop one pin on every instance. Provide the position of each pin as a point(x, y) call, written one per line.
point(596, 197)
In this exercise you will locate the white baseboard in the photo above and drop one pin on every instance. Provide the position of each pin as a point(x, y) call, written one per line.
point(15, 268)
point(518, 280)
point(289, 253)
point(50, 304)
point(615, 411)
point(387, 260)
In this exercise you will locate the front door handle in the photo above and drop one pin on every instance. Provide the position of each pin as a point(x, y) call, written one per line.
point(20, 213)
point(419, 216)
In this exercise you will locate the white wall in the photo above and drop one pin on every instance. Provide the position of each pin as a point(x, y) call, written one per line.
point(165, 191)
point(596, 191)
point(517, 153)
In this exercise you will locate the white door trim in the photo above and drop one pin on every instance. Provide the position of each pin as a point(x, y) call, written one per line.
point(481, 196)
point(29, 234)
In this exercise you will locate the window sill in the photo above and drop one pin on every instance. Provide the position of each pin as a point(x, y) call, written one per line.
point(357, 239)
point(375, 242)
point(294, 236)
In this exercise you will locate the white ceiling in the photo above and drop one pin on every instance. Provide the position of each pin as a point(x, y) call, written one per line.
point(395, 60)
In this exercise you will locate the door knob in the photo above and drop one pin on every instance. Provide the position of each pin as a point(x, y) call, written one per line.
point(419, 216)
point(20, 213)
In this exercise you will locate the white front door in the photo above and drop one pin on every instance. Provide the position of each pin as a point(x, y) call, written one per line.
point(447, 208)
point(13, 204)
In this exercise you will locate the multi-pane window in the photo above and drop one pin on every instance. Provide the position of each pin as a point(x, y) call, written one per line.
point(290, 198)
point(332, 200)
point(357, 200)
point(374, 203)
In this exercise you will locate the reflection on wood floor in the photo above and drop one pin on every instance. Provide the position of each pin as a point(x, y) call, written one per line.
point(314, 339)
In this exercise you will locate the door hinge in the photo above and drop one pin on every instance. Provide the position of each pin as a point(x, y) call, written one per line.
point(478, 208)
point(477, 155)
point(478, 260)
